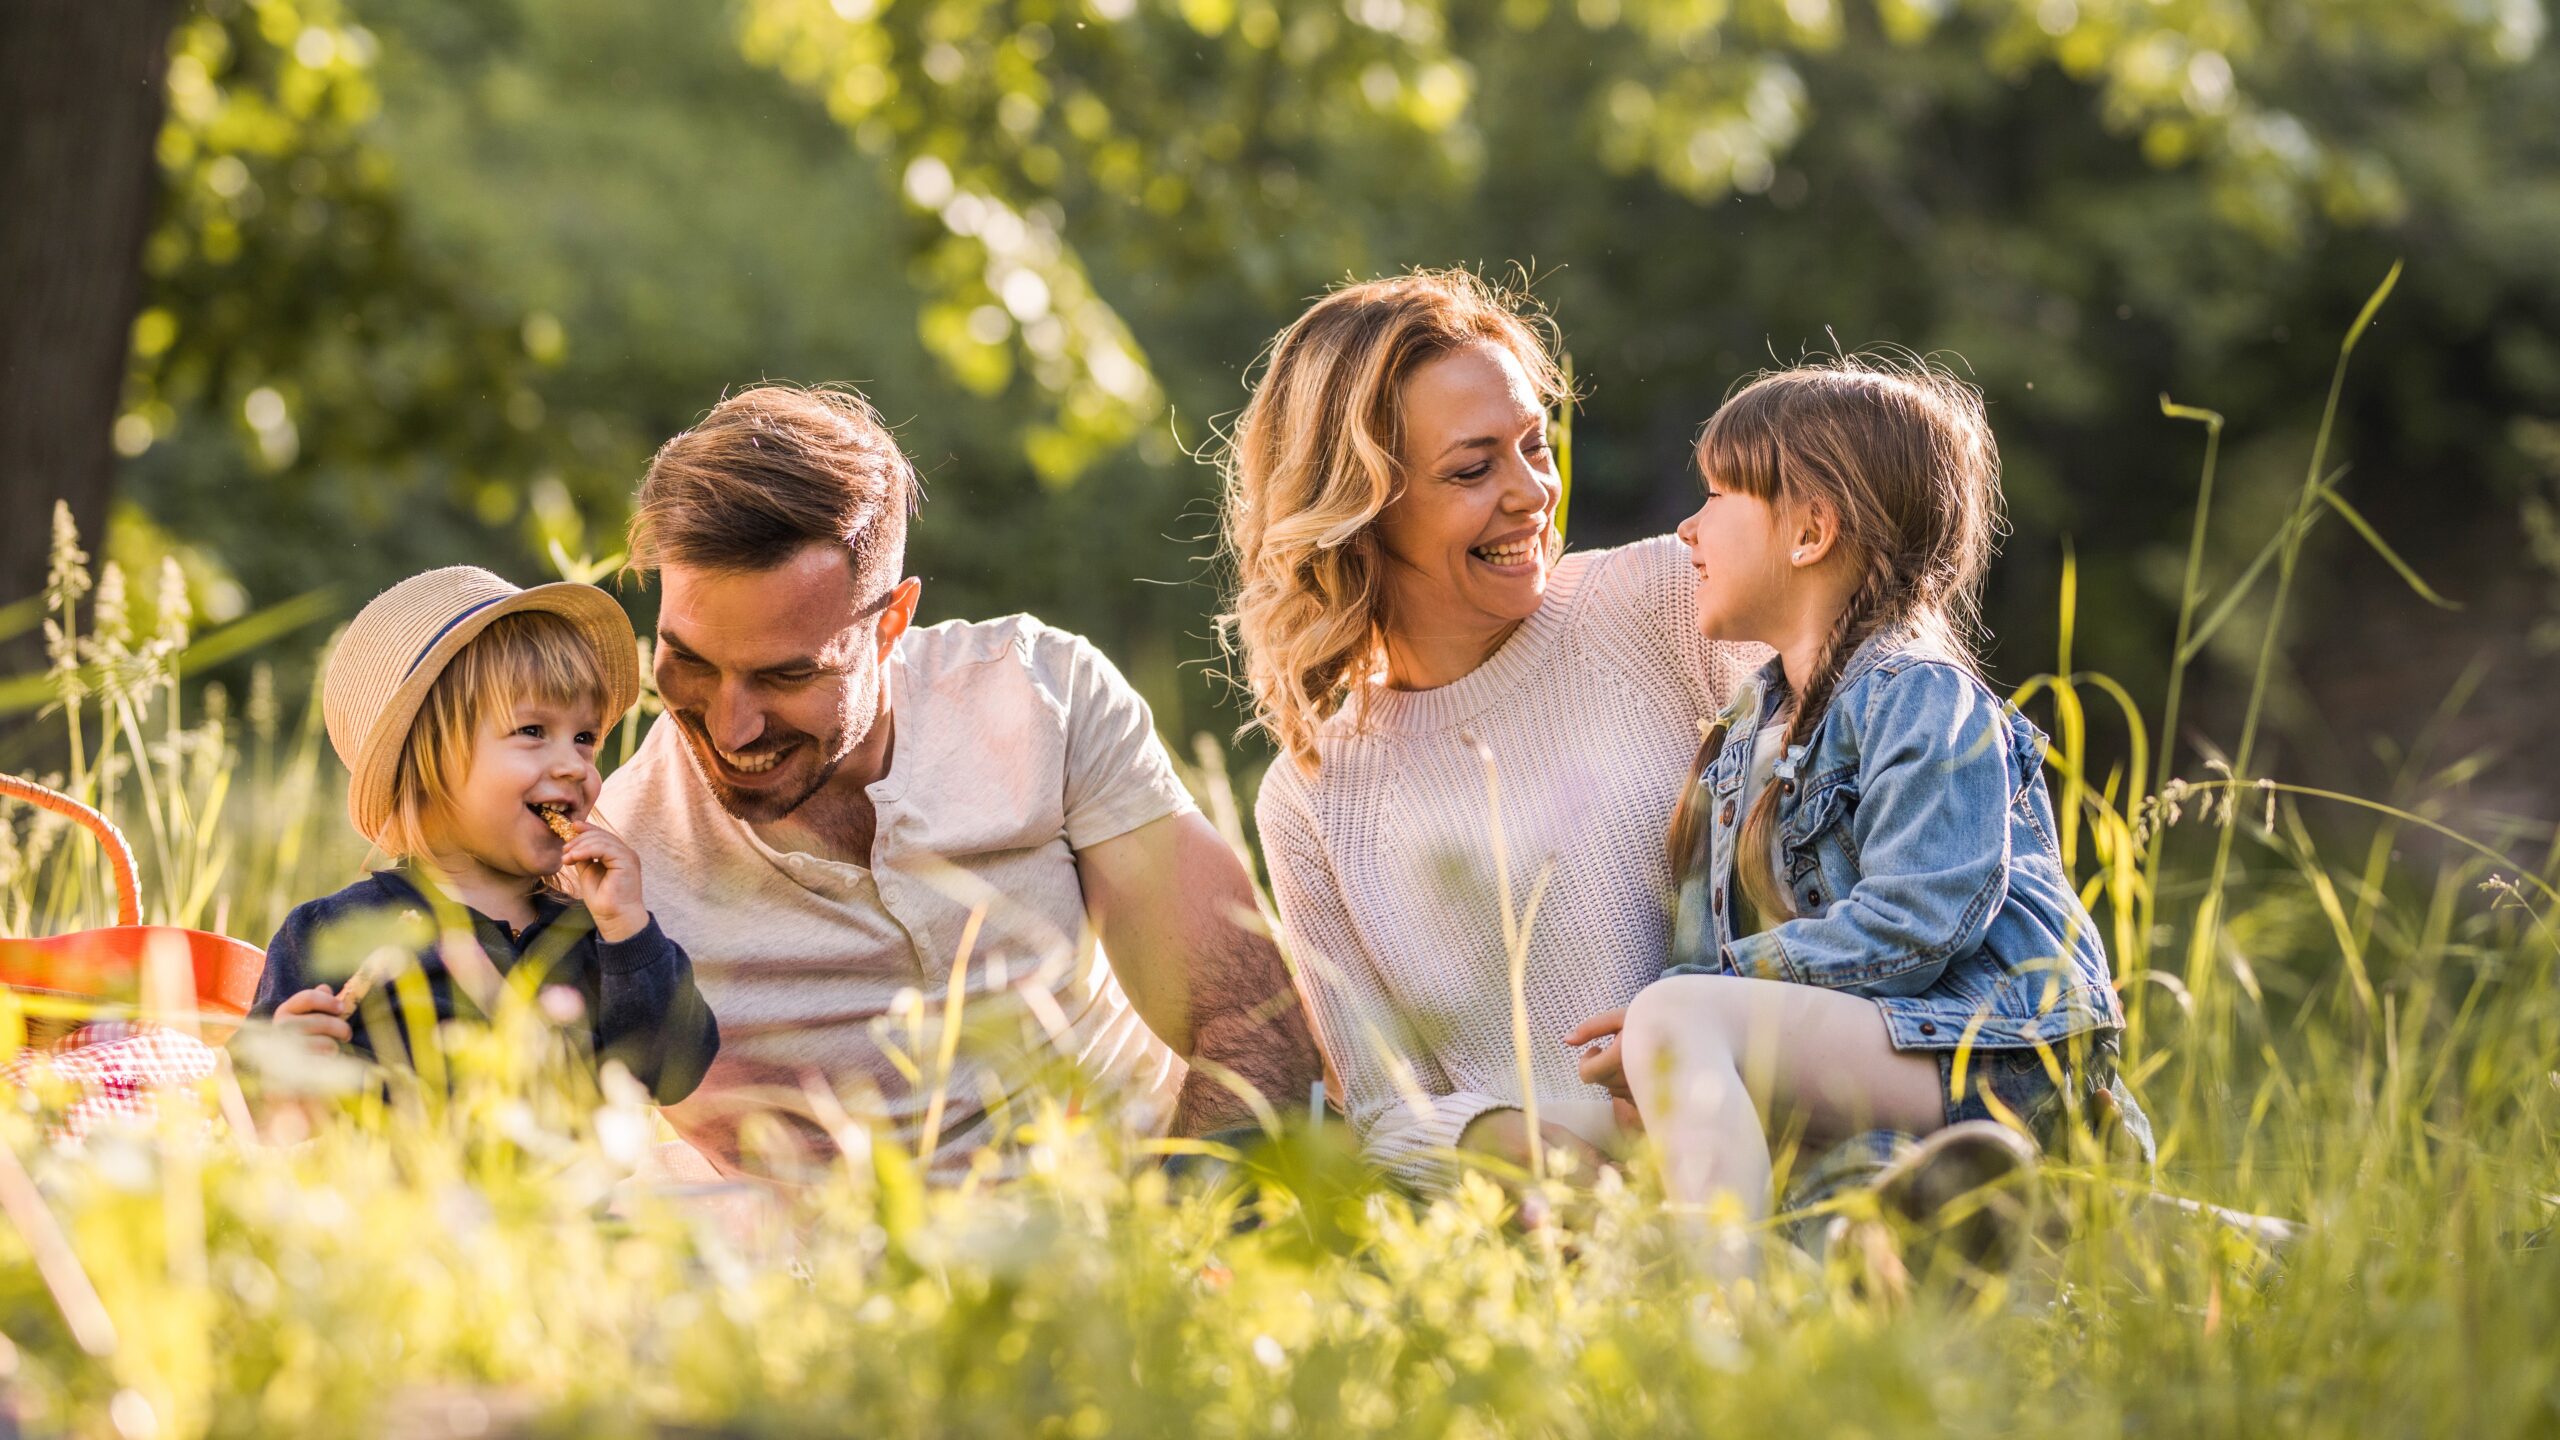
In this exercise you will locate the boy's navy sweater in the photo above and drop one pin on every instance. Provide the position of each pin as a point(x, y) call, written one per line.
point(642, 1007)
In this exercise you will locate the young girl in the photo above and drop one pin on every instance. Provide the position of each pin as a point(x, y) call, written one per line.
point(467, 712)
point(1874, 926)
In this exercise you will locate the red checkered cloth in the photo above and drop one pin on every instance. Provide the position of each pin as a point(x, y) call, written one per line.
point(113, 1071)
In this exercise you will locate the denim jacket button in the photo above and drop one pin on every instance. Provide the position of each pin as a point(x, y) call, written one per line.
point(1812, 897)
point(1715, 903)
point(1928, 1027)
point(1725, 816)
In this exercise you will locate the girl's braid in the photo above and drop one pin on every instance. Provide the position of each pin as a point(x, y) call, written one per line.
point(1867, 610)
point(1755, 863)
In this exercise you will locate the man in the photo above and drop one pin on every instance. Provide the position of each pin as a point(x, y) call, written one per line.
point(846, 820)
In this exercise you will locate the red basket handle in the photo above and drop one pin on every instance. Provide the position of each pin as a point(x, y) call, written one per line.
point(110, 839)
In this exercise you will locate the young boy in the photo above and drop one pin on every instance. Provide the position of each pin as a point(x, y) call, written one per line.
point(468, 712)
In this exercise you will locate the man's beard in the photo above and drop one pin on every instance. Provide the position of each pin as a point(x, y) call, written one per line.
point(763, 807)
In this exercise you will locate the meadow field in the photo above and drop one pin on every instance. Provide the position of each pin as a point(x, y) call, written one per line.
point(2343, 1013)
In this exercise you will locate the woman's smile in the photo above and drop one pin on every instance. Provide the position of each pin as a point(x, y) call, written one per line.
point(1523, 552)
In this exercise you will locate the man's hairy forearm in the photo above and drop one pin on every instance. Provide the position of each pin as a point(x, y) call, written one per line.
point(1247, 1031)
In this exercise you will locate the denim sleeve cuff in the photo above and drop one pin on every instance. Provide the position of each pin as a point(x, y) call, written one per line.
point(646, 950)
point(1761, 956)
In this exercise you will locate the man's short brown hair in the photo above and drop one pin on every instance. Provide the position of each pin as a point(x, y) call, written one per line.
point(770, 471)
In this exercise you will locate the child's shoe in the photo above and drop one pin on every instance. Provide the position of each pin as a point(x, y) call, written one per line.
point(1963, 1197)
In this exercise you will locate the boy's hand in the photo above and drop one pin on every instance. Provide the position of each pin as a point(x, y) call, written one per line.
point(320, 1015)
point(598, 868)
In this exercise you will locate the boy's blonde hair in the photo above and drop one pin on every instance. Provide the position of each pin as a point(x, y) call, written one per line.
point(1901, 452)
point(532, 654)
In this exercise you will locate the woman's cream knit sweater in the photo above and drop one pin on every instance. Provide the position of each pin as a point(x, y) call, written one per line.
point(1383, 863)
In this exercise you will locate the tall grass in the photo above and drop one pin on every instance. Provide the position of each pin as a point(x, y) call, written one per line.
point(186, 786)
point(2343, 1013)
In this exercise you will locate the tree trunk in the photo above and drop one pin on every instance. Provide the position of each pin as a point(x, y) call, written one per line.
point(80, 84)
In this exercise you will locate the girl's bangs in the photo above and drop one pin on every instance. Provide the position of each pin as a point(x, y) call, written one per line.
point(1740, 450)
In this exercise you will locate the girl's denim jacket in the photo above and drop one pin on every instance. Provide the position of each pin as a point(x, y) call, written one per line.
point(1918, 848)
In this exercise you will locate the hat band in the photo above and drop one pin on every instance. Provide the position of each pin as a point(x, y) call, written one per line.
point(443, 631)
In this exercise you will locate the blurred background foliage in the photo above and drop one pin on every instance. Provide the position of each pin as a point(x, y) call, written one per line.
point(430, 278)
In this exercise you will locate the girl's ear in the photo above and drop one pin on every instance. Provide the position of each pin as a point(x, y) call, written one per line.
point(1814, 529)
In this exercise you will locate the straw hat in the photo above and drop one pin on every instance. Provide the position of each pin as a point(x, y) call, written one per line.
point(401, 641)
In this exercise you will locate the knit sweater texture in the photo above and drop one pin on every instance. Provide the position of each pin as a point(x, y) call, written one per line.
point(1581, 729)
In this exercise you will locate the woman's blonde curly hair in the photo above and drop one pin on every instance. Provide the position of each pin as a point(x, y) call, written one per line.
point(1314, 459)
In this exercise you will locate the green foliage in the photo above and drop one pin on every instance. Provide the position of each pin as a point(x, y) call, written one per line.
point(301, 368)
point(477, 256)
point(1274, 142)
point(2080, 200)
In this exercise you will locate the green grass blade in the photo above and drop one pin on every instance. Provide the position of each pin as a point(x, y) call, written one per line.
point(2382, 547)
point(2239, 591)
point(21, 693)
point(265, 627)
point(20, 616)
point(2210, 419)
point(1564, 449)
point(2372, 307)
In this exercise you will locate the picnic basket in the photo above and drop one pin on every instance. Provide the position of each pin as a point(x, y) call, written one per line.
point(110, 965)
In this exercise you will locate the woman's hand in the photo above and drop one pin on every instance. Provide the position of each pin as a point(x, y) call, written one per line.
point(596, 866)
point(1604, 1064)
point(1504, 1134)
point(319, 1015)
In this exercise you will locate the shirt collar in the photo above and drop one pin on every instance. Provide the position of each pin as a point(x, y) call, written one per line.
point(548, 904)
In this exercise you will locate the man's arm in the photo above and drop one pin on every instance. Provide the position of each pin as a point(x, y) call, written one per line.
point(1177, 917)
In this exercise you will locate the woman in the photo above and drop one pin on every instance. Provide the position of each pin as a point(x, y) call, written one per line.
point(1412, 637)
